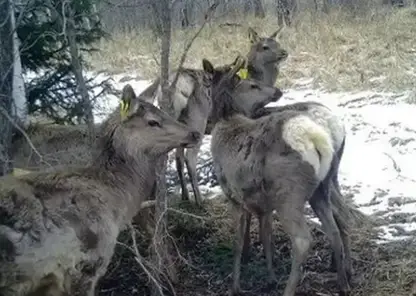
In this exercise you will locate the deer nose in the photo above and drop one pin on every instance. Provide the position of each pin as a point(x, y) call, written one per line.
point(284, 53)
point(194, 136)
point(277, 94)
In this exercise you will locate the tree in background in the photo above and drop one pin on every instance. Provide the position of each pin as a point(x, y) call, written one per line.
point(6, 86)
point(54, 34)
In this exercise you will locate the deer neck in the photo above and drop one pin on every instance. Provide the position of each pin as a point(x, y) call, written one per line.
point(135, 177)
point(267, 73)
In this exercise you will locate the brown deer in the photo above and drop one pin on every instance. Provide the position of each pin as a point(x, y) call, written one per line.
point(192, 102)
point(58, 229)
point(334, 126)
point(265, 56)
point(277, 162)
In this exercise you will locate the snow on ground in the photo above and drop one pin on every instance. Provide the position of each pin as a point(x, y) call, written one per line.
point(380, 153)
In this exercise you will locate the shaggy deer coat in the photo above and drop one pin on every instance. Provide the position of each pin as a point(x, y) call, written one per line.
point(58, 230)
point(333, 125)
point(192, 103)
point(277, 162)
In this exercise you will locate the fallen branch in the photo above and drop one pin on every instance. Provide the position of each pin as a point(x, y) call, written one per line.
point(147, 204)
point(139, 260)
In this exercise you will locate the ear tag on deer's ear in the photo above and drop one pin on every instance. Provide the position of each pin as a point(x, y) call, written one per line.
point(243, 73)
point(124, 108)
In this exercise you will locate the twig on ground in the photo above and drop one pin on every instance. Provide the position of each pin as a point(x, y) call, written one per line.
point(187, 214)
point(139, 260)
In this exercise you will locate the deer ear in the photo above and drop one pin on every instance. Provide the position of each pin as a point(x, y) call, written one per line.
point(252, 35)
point(128, 95)
point(207, 66)
point(275, 34)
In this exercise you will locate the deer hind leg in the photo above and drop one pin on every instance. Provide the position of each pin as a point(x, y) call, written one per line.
point(321, 205)
point(241, 217)
point(265, 223)
point(191, 159)
point(343, 228)
point(180, 157)
point(294, 224)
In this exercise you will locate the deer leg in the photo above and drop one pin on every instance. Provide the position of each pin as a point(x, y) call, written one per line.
point(241, 218)
point(321, 205)
point(343, 228)
point(246, 246)
point(294, 224)
point(191, 159)
point(266, 239)
point(179, 157)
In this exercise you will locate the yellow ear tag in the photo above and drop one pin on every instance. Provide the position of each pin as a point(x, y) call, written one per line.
point(243, 73)
point(124, 108)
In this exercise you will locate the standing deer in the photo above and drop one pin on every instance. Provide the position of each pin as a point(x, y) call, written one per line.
point(263, 62)
point(264, 57)
point(277, 162)
point(58, 229)
point(192, 103)
point(334, 126)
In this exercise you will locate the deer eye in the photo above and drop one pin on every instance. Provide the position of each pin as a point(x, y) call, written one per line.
point(153, 123)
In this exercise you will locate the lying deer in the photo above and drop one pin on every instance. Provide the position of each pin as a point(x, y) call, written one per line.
point(276, 162)
point(58, 229)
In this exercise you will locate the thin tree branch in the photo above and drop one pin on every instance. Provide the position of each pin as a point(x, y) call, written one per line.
point(4, 113)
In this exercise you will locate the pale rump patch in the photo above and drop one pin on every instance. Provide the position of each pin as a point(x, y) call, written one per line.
point(332, 124)
point(308, 138)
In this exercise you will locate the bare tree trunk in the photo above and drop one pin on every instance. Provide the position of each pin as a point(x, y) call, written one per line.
point(258, 9)
point(19, 94)
point(326, 6)
point(6, 87)
point(77, 69)
point(285, 10)
point(160, 244)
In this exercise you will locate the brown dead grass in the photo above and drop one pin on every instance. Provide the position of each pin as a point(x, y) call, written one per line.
point(338, 51)
point(380, 270)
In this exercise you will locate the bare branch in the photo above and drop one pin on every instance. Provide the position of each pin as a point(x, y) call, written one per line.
point(139, 260)
point(207, 17)
point(16, 126)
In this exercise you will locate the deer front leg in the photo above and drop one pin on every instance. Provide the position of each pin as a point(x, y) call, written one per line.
point(179, 157)
point(265, 222)
point(241, 217)
point(191, 159)
point(247, 239)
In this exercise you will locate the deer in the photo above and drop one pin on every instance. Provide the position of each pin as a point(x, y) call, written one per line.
point(262, 66)
point(258, 67)
point(59, 228)
point(333, 125)
point(264, 57)
point(192, 103)
point(278, 162)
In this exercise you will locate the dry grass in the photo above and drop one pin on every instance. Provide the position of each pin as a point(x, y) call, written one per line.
point(207, 245)
point(338, 51)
